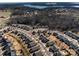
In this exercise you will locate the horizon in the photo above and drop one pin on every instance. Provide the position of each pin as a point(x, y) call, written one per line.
point(42, 5)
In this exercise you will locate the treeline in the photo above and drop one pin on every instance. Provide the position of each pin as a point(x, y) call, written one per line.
point(54, 21)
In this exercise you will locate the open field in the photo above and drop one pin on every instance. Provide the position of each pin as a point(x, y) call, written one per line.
point(4, 20)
